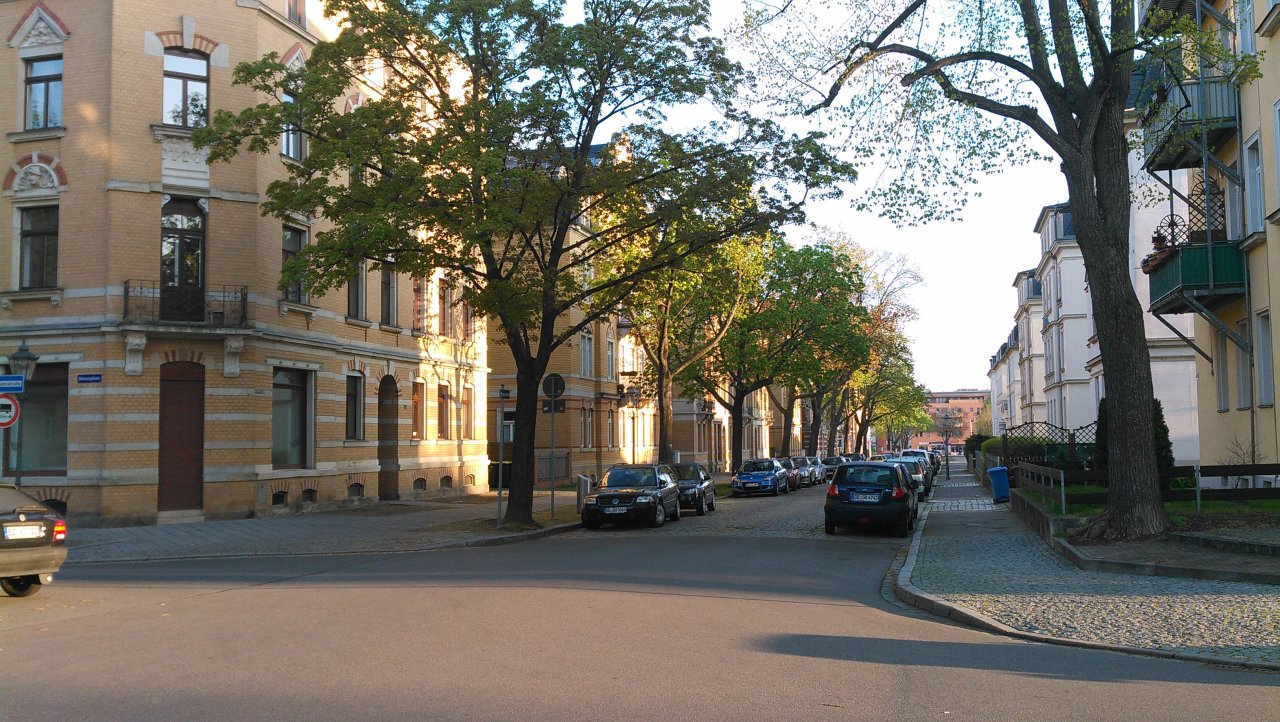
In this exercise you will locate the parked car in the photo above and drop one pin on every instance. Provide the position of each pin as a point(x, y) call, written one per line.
point(819, 470)
point(876, 457)
point(804, 470)
point(793, 475)
point(866, 492)
point(856, 457)
point(919, 473)
point(633, 492)
point(697, 490)
point(931, 459)
point(33, 545)
point(830, 464)
point(759, 476)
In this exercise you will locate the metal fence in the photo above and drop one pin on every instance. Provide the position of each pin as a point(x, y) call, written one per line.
point(153, 302)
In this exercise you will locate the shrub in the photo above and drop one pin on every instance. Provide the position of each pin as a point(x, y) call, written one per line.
point(974, 443)
point(1160, 437)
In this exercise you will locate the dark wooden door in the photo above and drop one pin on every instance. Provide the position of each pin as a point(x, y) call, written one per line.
point(181, 436)
point(388, 439)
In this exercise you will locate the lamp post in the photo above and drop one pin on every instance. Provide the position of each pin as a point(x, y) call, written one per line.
point(23, 362)
point(633, 400)
point(945, 421)
point(503, 395)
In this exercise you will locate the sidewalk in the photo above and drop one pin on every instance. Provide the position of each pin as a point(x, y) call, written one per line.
point(977, 563)
point(390, 526)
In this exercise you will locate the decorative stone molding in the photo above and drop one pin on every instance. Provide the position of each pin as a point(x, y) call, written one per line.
point(37, 174)
point(288, 307)
point(155, 42)
point(231, 349)
point(134, 345)
point(39, 27)
point(52, 295)
point(294, 57)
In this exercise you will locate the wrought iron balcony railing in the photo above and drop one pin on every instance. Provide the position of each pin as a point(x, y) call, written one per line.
point(1183, 116)
point(151, 302)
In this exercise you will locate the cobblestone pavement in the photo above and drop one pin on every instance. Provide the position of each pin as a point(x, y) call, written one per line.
point(991, 564)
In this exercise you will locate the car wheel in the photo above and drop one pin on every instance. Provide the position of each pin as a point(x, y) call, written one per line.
point(712, 505)
point(830, 528)
point(903, 528)
point(20, 586)
point(675, 512)
point(659, 515)
point(701, 509)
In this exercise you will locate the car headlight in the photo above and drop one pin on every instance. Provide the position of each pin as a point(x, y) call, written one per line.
point(590, 500)
point(644, 499)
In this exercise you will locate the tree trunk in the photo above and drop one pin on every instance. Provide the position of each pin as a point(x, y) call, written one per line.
point(815, 424)
point(523, 449)
point(1100, 198)
point(788, 418)
point(735, 433)
point(666, 416)
point(833, 420)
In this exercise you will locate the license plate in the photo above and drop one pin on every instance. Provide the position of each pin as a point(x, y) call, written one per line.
point(864, 497)
point(616, 510)
point(751, 484)
point(26, 531)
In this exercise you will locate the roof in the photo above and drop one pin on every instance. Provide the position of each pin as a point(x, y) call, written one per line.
point(1048, 210)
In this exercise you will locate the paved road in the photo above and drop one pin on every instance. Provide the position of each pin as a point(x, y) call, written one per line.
point(747, 613)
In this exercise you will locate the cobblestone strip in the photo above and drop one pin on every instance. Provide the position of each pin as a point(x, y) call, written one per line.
point(1011, 583)
point(964, 505)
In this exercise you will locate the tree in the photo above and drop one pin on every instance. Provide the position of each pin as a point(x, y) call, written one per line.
point(485, 150)
point(968, 81)
point(680, 313)
point(804, 301)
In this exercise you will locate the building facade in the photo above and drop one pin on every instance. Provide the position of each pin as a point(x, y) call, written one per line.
point(176, 380)
point(1004, 378)
point(1030, 362)
point(1065, 329)
point(954, 410)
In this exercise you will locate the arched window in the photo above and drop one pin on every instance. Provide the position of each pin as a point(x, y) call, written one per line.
point(186, 88)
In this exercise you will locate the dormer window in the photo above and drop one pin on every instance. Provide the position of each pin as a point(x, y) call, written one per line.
point(186, 88)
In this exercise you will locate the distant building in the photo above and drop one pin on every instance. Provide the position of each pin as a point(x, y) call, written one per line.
point(957, 410)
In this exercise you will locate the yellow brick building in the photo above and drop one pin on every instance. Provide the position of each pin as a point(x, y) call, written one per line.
point(176, 380)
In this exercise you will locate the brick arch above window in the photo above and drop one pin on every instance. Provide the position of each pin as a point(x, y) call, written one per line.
point(156, 42)
point(35, 172)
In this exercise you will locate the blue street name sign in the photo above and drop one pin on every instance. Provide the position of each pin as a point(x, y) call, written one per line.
point(88, 378)
point(12, 384)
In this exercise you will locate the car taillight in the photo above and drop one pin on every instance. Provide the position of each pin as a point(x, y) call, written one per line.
point(833, 490)
point(59, 530)
point(898, 493)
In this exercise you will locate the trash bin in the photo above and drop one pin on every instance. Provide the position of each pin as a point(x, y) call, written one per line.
point(999, 476)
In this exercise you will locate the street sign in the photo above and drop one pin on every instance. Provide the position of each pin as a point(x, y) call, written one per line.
point(552, 385)
point(9, 410)
point(88, 378)
point(12, 384)
point(549, 404)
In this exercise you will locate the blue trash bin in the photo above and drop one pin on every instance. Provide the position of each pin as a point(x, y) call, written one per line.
point(999, 476)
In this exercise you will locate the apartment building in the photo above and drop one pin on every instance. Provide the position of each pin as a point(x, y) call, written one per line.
point(1004, 376)
point(1065, 328)
point(175, 379)
point(1030, 361)
point(1211, 254)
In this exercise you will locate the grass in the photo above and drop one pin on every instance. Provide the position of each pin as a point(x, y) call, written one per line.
point(1175, 509)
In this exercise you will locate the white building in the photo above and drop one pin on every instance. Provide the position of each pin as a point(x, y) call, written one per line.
point(1065, 328)
point(1003, 376)
point(1031, 403)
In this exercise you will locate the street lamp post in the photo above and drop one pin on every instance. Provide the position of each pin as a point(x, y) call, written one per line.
point(503, 395)
point(633, 400)
point(22, 362)
point(946, 419)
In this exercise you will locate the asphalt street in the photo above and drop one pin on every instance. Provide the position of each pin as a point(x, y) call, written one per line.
point(751, 612)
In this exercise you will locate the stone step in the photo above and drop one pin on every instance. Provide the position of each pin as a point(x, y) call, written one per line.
point(1227, 543)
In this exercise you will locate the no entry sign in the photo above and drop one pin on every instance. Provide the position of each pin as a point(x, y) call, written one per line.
point(9, 410)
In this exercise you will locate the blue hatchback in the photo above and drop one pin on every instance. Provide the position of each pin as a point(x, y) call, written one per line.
point(760, 476)
point(867, 492)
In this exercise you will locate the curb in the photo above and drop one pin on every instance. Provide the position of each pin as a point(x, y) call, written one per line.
point(1115, 566)
point(904, 590)
point(489, 541)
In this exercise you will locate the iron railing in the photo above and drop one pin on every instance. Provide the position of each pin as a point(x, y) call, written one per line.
point(151, 302)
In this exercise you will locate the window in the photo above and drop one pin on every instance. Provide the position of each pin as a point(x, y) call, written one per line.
point(468, 416)
point(293, 144)
point(419, 305)
point(445, 298)
point(186, 88)
point(591, 427)
point(1253, 186)
point(292, 241)
point(387, 295)
point(468, 321)
point(355, 407)
point(296, 12)
point(586, 356)
point(1220, 369)
point(44, 93)
point(1066, 224)
point(509, 426)
point(610, 367)
point(1244, 374)
point(39, 247)
point(43, 428)
point(442, 411)
point(609, 421)
point(582, 427)
point(1244, 26)
point(182, 232)
point(1263, 363)
point(355, 294)
point(419, 419)
point(290, 418)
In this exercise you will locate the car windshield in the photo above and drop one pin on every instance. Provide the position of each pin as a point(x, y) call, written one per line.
point(801, 461)
point(617, 478)
point(786, 464)
point(832, 461)
point(911, 464)
point(752, 466)
point(687, 473)
point(865, 476)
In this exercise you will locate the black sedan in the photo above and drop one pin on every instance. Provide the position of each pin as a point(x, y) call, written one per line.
point(867, 492)
point(633, 492)
point(697, 490)
point(33, 546)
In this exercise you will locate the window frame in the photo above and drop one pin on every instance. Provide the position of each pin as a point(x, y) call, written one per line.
point(1244, 368)
point(296, 12)
point(48, 377)
point(1264, 366)
point(586, 352)
point(467, 412)
point(354, 416)
point(1223, 377)
point(293, 141)
point(444, 308)
point(44, 82)
point(305, 422)
point(294, 292)
point(25, 238)
point(443, 416)
point(387, 311)
point(186, 79)
point(356, 293)
point(418, 390)
point(1254, 216)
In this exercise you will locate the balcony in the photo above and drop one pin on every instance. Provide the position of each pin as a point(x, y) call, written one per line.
point(1174, 119)
point(1183, 272)
point(1171, 7)
point(151, 303)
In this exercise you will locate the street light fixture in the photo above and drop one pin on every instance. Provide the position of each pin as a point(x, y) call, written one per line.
point(22, 362)
point(503, 394)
